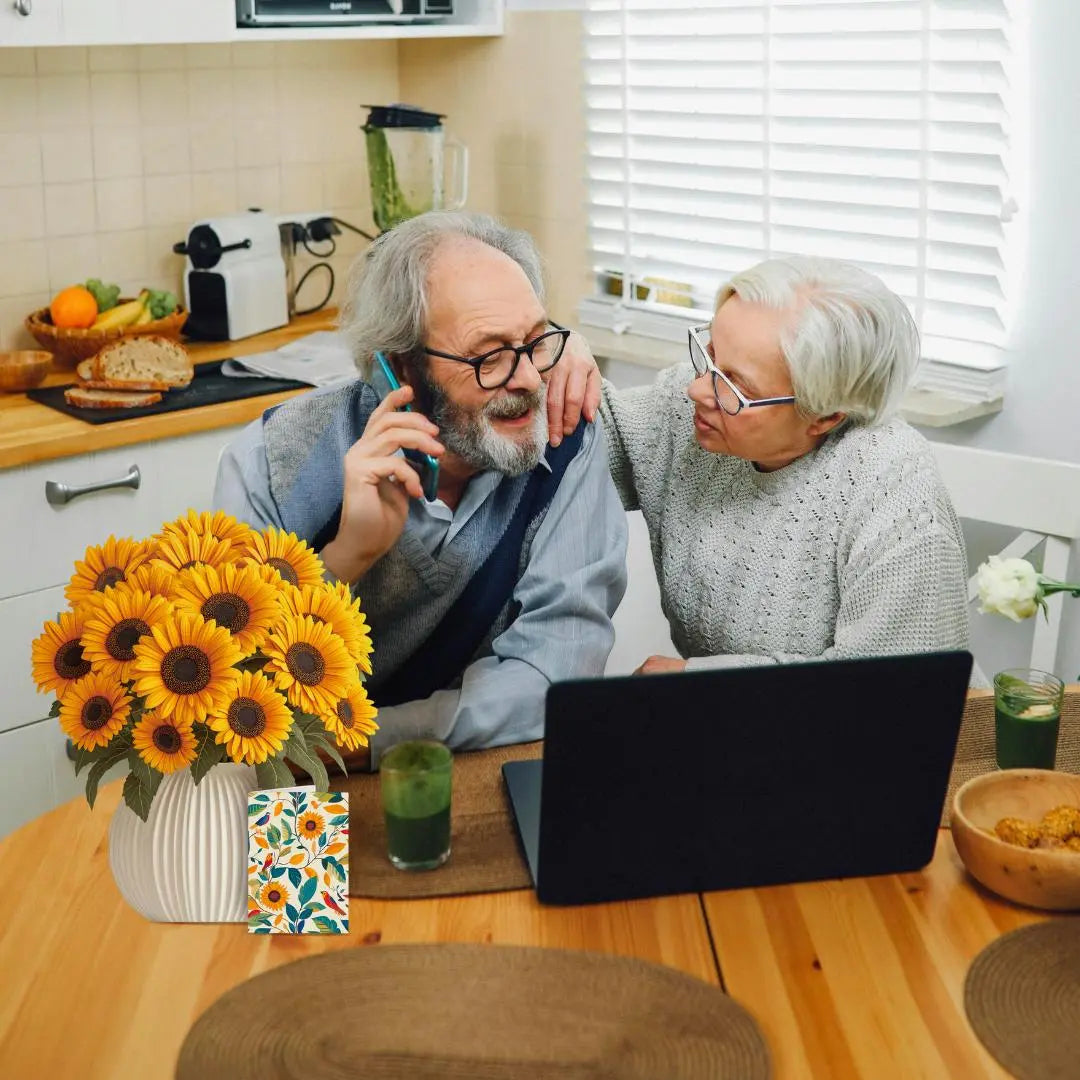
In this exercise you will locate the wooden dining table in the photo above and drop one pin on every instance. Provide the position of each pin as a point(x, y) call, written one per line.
point(860, 978)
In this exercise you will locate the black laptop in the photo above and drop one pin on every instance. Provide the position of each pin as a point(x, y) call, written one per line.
point(735, 778)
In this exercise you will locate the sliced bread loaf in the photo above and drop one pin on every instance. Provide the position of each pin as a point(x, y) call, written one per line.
point(143, 360)
point(85, 371)
point(85, 398)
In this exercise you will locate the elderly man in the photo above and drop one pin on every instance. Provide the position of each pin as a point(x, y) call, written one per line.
point(506, 581)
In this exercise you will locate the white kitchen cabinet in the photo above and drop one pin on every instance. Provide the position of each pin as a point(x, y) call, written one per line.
point(39, 544)
point(156, 22)
point(29, 22)
point(141, 22)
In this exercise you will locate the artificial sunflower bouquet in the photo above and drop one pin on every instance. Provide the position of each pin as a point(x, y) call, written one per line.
point(207, 642)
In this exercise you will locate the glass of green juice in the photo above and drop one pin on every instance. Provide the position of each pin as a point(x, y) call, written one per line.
point(415, 778)
point(1027, 716)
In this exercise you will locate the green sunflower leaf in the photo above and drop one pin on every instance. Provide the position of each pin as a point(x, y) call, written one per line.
point(327, 925)
point(207, 752)
point(339, 870)
point(296, 750)
point(321, 742)
point(99, 768)
point(273, 835)
point(273, 773)
point(292, 913)
point(140, 786)
point(54, 708)
point(294, 877)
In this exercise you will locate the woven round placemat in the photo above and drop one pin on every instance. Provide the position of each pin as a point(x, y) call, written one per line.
point(1022, 996)
point(485, 854)
point(481, 1012)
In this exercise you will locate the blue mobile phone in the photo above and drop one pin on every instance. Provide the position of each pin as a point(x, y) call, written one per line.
point(383, 381)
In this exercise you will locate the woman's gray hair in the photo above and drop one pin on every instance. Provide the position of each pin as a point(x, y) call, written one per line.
point(852, 346)
point(385, 303)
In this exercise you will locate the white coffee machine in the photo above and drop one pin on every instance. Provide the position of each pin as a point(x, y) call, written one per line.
point(237, 280)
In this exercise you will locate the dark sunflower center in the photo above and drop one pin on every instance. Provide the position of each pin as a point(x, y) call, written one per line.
point(167, 739)
point(345, 714)
point(123, 637)
point(273, 897)
point(316, 619)
point(69, 662)
point(247, 718)
point(228, 610)
point(311, 826)
point(284, 568)
point(96, 713)
point(305, 663)
point(185, 670)
point(108, 578)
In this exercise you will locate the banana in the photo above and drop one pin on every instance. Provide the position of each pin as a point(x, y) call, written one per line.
point(145, 316)
point(118, 317)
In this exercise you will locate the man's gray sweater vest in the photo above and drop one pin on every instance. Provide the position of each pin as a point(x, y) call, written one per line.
point(408, 593)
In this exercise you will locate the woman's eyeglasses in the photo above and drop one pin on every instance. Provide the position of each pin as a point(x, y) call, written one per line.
point(728, 396)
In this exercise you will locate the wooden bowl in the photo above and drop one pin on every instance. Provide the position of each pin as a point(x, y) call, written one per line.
point(69, 346)
point(1047, 878)
point(23, 369)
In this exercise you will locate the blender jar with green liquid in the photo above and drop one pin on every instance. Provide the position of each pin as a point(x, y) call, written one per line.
point(408, 156)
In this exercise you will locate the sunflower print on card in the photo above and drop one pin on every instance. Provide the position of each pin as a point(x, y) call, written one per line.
point(298, 862)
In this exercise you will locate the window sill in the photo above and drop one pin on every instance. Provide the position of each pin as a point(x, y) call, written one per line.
point(924, 408)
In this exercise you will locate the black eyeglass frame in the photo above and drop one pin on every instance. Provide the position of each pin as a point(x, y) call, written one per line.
point(710, 368)
point(527, 349)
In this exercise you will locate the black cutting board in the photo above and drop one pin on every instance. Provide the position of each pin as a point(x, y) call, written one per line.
point(207, 388)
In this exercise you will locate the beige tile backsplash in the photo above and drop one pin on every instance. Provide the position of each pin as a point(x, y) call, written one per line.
point(107, 155)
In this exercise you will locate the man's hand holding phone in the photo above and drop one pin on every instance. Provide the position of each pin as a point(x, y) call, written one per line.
point(378, 485)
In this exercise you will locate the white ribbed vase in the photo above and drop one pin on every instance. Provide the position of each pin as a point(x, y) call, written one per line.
point(188, 861)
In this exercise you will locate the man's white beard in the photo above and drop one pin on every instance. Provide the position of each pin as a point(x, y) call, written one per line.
point(474, 438)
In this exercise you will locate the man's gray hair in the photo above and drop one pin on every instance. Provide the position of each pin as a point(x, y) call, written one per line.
point(852, 347)
point(386, 305)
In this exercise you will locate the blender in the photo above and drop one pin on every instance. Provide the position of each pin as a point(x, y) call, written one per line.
point(408, 156)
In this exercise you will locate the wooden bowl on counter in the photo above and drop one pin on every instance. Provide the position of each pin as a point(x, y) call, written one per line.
point(23, 369)
point(1039, 877)
point(69, 346)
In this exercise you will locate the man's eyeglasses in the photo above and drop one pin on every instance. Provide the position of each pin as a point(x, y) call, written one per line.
point(496, 368)
point(728, 396)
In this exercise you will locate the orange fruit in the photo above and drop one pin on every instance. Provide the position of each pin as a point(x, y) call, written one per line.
point(73, 307)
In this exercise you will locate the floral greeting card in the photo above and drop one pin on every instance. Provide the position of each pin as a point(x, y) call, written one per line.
point(298, 862)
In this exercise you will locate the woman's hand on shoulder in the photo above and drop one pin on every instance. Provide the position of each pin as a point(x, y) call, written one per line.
point(657, 665)
point(573, 389)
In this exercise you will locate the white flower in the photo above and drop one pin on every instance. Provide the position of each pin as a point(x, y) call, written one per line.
point(1008, 587)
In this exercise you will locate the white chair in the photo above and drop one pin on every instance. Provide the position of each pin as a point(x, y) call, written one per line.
point(1037, 496)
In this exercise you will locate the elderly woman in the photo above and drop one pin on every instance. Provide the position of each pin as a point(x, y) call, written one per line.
point(792, 515)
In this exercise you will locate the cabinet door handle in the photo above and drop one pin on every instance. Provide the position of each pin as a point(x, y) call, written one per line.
point(24, 7)
point(57, 494)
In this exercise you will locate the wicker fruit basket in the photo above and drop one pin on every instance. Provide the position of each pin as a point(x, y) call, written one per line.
point(70, 346)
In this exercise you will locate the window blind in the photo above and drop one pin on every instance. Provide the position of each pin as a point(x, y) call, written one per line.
point(722, 132)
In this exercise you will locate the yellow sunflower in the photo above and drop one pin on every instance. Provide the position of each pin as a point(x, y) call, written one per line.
point(93, 710)
point(361, 653)
point(178, 551)
point(105, 565)
point(287, 554)
point(309, 825)
point(252, 721)
point(163, 742)
point(155, 578)
point(273, 896)
point(235, 597)
point(185, 667)
point(219, 525)
point(352, 718)
point(327, 604)
point(114, 626)
point(57, 655)
point(310, 663)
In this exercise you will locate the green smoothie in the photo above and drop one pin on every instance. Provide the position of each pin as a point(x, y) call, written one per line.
point(1027, 718)
point(416, 780)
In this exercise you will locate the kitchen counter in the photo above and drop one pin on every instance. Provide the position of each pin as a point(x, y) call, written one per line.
point(31, 432)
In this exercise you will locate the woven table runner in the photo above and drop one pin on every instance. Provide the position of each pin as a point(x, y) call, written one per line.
point(975, 753)
point(1022, 996)
point(485, 854)
point(473, 1012)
